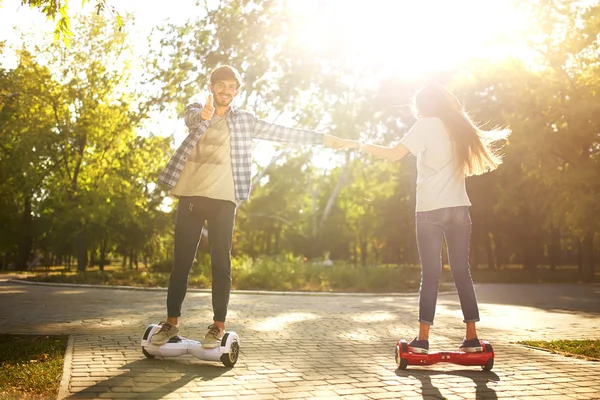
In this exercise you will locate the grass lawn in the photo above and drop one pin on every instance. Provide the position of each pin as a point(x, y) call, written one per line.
point(31, 365)
point(586, 349)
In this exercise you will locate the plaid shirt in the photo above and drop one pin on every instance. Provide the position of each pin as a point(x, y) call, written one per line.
point(243, 127)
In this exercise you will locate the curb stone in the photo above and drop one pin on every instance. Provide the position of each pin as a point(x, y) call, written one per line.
point(255, 292)
point(63, 390)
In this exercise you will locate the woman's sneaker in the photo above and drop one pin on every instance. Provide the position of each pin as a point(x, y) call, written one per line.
point(419, 346)
point(166, 332)
point(471, 346)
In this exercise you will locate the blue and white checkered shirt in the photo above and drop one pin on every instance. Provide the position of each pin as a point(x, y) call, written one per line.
point(243, 127)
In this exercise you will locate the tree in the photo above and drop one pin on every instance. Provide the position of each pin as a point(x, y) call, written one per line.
point(73, 154)
point(60, 8)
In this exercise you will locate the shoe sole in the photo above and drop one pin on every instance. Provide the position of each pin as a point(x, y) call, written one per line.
point(162, 342)
point(471, 349)
point(418, 350)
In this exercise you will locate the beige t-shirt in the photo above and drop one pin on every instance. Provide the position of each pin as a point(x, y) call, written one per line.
point(440, 182)
point(207, 171)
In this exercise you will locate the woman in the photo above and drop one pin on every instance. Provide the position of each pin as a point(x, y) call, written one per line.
point(448, 147)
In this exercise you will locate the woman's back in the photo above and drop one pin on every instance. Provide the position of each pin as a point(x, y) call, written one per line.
point(440, 180)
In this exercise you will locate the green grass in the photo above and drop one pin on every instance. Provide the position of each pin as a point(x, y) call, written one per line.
point(117, 278)
point(31, 366)
point(586, 349)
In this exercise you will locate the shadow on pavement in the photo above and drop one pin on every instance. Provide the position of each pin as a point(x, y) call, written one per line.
point(153, 385)
point(480, 378)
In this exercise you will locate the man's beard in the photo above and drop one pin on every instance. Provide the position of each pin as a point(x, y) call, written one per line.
point(220, 103)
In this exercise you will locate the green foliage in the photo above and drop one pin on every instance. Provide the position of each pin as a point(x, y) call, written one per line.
point(31, 366)
point(587, 349)
point(54, 8)
point(76, 179)
point(162, 266)
point(283, 273)
point(113, 278)
point(76, 171)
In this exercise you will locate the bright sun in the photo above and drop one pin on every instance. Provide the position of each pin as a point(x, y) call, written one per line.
point(410, 37)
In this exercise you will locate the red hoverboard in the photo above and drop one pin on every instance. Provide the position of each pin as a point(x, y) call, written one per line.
point(485, 358)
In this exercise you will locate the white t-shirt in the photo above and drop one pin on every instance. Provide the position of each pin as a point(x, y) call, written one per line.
point(440, 182)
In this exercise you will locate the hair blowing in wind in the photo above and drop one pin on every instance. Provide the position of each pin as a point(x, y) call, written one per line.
point(473, 145)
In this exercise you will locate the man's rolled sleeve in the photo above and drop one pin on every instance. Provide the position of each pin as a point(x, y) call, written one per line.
point(193, 116)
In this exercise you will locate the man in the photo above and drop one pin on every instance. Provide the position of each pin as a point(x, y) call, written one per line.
point(210, 173)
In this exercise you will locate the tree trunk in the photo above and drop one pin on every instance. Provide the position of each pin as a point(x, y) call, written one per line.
point(92, 260)
point(336, 191)
point(587, 265)
point(103, 246)
point(528, 259)
point(131, 260)
point(26, 242)
point(554, 251)
point(81, 251)
point(363, 253)
point(579, 257)
point(489, 251)
point(277, 236)
point(266, 242)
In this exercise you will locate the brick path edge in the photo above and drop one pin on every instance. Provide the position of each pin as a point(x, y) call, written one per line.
point(63, 390)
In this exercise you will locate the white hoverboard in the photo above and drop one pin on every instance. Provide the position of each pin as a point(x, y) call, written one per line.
point(228, 352)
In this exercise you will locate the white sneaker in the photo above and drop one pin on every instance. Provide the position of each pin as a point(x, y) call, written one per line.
point(166, 332)
point(213, 338)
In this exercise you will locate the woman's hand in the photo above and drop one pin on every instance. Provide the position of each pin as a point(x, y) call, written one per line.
point(338, 143)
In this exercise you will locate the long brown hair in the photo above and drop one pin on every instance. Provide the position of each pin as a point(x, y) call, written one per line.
point(473, 145)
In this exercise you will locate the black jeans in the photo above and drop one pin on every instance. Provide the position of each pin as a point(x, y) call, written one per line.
point(192, 213)
point(453, 224)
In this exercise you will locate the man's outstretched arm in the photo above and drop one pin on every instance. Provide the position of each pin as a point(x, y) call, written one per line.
point(284, 134)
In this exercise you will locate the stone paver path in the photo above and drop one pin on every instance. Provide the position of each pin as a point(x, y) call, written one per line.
point(314, 346)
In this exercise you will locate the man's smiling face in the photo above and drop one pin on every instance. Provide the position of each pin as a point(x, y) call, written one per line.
point(224, 92)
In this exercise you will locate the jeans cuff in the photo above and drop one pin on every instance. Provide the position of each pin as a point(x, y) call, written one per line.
point(425, 322)
point(471, 320)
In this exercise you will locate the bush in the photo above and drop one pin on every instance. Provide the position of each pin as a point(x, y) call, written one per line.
point(282, 273)
point(295, 273)
point(162, 266)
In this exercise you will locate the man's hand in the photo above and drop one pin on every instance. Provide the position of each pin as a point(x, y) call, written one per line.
point(339, 143)
point(209, 109)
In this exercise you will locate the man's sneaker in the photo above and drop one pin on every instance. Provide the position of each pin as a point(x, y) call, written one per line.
point(213, 338)
point(166, 332)
point(471, 346)
point(419, 346)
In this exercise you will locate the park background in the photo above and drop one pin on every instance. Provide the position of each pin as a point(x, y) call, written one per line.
point(90, 114)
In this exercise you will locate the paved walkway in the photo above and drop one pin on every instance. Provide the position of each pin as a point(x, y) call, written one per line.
point(314, 346)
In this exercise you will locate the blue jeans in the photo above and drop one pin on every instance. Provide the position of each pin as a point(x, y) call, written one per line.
point(453, 224)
